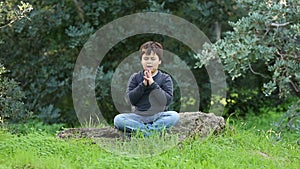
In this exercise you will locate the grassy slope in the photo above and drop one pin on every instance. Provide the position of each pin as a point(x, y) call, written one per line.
point(248, 144)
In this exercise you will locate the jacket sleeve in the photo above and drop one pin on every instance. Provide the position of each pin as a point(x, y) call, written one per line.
point(135, 90)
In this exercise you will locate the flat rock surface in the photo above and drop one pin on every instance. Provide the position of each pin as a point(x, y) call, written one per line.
point(190, 123)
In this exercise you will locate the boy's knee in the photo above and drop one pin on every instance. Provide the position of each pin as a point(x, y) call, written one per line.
point(176, 117)
point(173, 117)
point(118, 119)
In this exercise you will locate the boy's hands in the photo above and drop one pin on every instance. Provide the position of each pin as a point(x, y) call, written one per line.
point(148, 80)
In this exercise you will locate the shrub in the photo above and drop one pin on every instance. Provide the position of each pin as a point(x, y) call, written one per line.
point(269, 37)
point(291, 119)
point(12, 107)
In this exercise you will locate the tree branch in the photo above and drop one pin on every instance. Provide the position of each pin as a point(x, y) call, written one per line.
point(80, 10)
point(280, 24)
point(256, 73)
point(294, 86)
point(10, 23)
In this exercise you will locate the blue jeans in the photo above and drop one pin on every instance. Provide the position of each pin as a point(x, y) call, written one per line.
point(131, 122)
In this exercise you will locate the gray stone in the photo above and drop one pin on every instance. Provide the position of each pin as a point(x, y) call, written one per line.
point(202, 124)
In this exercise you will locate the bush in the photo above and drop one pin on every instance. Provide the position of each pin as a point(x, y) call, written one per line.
point(12, 107)
point(291, 119)
point(31, 127)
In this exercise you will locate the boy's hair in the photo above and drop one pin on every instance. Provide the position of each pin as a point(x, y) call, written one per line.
point(149, 46)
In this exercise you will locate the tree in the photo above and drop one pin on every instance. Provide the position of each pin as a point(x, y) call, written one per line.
point(10, 12)
point(269, 36)
point(12, 107)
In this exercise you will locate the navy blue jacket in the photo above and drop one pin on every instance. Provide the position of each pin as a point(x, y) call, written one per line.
point(151, 99)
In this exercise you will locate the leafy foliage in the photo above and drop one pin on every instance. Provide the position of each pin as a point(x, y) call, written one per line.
point(11, 13)
point(269, 35)
point(41, 52)
point(291, 119)
point(264, 43)
point(37, 58)
point(12, 107)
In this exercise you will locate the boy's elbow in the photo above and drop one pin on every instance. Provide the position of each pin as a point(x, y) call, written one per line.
point(169, 100)
point(132, 100)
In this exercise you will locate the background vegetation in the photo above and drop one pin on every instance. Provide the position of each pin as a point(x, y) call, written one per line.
point(40, 52)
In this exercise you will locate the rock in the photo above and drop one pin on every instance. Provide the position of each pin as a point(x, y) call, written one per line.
point(203, 124)
point(105, 132)
point(191, 123)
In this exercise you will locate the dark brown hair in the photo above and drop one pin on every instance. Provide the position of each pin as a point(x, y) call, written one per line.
point(149, 46)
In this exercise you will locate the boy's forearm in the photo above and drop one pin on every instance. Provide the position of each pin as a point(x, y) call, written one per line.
point(164, 96)
point(135, 94)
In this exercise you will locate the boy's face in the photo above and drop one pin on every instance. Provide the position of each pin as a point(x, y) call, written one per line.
point(150, 62)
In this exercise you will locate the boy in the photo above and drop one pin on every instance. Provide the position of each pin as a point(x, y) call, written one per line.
point(149, 92)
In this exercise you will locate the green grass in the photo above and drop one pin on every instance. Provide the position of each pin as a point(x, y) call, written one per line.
point(139, 146)
point(250, 143)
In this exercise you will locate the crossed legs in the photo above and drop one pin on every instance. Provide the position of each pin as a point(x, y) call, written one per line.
point(131, 122)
